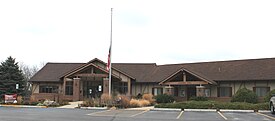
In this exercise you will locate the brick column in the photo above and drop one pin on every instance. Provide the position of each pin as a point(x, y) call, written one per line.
point(105, 86)
point(200, 91)
point(76, 89)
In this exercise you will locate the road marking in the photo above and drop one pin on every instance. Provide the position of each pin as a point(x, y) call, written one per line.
point(180, 115)
point(98, 112)
point(222, 115)
point(140, 113)
point(266, 115)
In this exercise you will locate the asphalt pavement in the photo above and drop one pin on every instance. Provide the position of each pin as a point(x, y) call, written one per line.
point(56, 114)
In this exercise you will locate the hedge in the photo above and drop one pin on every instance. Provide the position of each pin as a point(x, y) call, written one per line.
point(245, 95)
point(268, 95)
point(215, 105)
point(164, 98)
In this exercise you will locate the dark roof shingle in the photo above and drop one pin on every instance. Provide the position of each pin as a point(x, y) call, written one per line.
point(251, 69)
point(52, 72)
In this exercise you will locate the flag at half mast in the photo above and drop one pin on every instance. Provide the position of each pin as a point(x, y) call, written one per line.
point(109, 58)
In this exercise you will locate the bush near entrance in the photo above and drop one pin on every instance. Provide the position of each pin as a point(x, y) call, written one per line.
point(164, 98)
point(268, 95)
point(245, 95)
point(215, 105)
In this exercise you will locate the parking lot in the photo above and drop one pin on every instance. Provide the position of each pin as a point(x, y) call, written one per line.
point(185, 115)
point(50, 114)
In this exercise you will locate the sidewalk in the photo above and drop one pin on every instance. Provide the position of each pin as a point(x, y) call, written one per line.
point(72, 105)
point(23, 106)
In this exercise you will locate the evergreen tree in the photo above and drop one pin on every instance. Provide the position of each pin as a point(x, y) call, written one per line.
point(10, 75)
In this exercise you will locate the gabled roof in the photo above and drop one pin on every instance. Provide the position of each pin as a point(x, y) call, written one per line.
point(250, 69)
point(192, 73)
point(235, 70)
point(52, 72)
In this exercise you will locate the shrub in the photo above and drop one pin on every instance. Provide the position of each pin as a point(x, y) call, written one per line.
point(19, 100)
point(134, 103)
point(91, 103)
point(164, 98)
point(139, 103)
point(215, 105)
point(124, 101)
point(148, 97)
point(199, 98)
point(139, 96)
point(106, 99)
point(268, 95)
point(143, 102)
point(245, 95)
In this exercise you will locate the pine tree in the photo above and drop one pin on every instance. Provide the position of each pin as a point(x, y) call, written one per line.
point(10, 75)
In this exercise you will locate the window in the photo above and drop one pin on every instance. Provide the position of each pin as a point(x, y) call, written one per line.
point(48, 89)
point(261, 91)
point(207, 92)
point(69, 88)
point(157, 90)
point(123, 88)
point(120, 87)
point(224, 91)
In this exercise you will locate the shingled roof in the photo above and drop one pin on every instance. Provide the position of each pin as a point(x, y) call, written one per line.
point(235, 70)
point(52, 72)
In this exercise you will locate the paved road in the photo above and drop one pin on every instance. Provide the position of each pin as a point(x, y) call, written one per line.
point(55, 114)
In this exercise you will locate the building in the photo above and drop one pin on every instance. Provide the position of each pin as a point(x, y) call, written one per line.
point(217, 80)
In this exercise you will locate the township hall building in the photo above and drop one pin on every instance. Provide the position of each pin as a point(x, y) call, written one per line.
point(217, 80)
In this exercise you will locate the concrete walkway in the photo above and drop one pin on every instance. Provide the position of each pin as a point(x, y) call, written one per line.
point(72, 105)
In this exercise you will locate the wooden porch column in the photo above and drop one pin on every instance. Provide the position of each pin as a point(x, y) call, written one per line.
point(76, 89)
point(64, 86)
point(129, 87)
point(105, 86)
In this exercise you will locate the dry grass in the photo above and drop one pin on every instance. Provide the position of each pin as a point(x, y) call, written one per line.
point(134, 103)
point(139, 103)
point(149, 97)
point(144, 103)
point(125, 101)
point(19, 99)
point(106, 99)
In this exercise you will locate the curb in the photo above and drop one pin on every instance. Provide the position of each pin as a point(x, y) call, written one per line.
point(94, 108)
point(264, 111)
point(23, 106)
point(210, 110)
point(201, 110)
point(165, 109)
point(237, 111)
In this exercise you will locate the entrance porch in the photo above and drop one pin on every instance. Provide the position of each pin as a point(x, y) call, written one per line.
point(91, 81)
point(184, 84)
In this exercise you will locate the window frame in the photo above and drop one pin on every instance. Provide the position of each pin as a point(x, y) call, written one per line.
point(158, 88)
point(219, 91)
point(48, 88)
point(69, 88)
point(261, 87)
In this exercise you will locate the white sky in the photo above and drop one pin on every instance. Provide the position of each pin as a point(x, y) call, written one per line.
point(158, 31)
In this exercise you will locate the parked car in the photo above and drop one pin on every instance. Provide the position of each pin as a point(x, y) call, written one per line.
point(271, 104)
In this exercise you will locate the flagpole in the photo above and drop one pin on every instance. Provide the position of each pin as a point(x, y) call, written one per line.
point(110, 67)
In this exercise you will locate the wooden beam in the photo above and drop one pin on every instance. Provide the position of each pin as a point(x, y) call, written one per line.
point(92, 75)
point(184, 76)
point(185, 83)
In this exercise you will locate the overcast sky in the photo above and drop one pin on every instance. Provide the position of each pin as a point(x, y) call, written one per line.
point(144, 31)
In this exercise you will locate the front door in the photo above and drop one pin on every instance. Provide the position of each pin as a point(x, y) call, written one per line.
point(92, 89)
point(191, 92)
